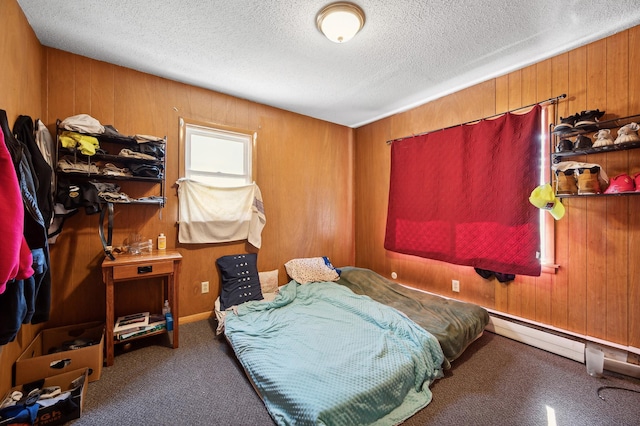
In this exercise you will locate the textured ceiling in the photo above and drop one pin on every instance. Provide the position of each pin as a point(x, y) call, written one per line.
point(270, 51)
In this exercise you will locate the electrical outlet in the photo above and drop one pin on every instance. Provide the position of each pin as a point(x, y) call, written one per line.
point(205, 286)
point(455, 286)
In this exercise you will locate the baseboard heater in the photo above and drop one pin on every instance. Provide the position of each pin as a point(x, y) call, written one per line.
point(567, 346)
point(542, 339)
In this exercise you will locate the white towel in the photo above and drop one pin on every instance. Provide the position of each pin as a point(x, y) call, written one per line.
point(211, 214)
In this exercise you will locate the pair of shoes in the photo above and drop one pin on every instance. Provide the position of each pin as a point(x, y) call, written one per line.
point(582, 180)
point(588, 118)
point(603, 138)
point(624, 183)
point(579, 120)
point(582, 142)
point(628, 133)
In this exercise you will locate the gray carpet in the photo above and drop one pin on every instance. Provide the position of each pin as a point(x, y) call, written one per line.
point(497, 381)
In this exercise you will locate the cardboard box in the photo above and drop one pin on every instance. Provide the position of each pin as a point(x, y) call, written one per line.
point(75, 381)
point(40, 359)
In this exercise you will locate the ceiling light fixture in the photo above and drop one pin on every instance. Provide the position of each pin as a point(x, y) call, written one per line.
point(339, 22)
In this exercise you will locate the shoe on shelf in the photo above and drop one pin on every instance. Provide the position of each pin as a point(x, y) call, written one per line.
point(566, 183)
point(588, 118)
point(620, 183)
point(566, 124)
point(603, 138)
point(628, 133)
point(564, 145)
point(636, 181)
point(588, 180)
point(582, 142)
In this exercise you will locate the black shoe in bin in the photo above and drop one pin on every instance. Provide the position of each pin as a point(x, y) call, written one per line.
point(565, 145)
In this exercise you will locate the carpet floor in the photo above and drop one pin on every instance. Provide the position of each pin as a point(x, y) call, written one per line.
point(497, 381)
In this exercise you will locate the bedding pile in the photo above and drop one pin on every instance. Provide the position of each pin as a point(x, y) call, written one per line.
point(454, 323)
point(321, 354)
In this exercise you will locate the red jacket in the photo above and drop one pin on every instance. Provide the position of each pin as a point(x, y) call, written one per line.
point(15, 255)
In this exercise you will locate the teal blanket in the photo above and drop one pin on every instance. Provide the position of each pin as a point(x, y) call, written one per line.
point(321, 355)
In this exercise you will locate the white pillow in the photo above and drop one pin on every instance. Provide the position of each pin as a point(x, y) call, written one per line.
point(221, 315)
point(268, 281)
point(311, 269)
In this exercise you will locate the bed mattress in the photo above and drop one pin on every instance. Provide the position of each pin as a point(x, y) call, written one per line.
point(321, 354)
point(454, 323)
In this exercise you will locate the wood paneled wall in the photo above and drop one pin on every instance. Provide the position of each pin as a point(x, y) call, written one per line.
point(596, 291)
point(21, 93)
point(304, 171)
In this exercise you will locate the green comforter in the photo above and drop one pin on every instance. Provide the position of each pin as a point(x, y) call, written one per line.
point(321, 355)
point(454, 323)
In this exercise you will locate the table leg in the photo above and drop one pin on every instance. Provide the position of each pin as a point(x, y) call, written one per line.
point(109, 316)
point(173, 293)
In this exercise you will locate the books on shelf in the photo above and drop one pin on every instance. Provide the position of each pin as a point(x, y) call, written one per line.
point(131, 322)
point(155, 322)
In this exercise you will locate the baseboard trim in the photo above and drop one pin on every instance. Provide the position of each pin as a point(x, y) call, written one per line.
point(196, 317)
point(556, 344)
point(568, 346)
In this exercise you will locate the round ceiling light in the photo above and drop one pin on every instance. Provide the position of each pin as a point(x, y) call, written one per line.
point(339, 22)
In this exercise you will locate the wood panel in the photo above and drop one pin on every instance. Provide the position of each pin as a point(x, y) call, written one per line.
point(596, 267)
point(560, 85)
point(576, 272)
point(596, 288)
point(617, 219)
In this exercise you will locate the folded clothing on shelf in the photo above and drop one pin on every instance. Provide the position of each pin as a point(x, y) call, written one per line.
point(68, 164)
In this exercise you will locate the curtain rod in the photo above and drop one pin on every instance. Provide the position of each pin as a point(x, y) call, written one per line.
point(550, 100)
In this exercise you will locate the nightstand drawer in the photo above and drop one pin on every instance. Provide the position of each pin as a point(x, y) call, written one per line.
point(142, 270)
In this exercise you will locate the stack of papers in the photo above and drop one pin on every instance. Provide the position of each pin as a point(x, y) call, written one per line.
point(137, 325)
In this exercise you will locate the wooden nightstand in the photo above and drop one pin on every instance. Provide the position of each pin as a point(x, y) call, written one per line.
point(160, 263)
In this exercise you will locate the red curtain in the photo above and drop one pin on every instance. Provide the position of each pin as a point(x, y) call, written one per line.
point(461, 195)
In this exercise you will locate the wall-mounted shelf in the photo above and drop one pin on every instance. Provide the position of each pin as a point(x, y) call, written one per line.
point(109, 145)
point(138, 162)
point(557, 157)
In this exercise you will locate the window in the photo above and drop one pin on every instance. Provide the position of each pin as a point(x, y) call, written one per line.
point(216, 155)
point(547, 223)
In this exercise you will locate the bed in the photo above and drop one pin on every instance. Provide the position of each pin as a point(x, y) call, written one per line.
point(321, 351)
point(321, 354)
